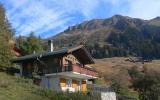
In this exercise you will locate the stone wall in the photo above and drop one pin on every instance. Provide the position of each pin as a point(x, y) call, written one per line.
point(108, 95)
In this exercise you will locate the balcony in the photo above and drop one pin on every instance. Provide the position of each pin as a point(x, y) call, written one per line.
point(80, 70)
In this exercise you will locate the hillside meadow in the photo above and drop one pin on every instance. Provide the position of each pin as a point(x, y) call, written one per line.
point(17, 88)
point(125, 76)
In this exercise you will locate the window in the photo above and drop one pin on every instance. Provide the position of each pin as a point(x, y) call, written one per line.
point(69, 82)
point(63, 82)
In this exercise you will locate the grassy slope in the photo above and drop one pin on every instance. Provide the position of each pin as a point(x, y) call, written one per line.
point(118, 65)
point(117, 69)
point(13, 88)
point(16, 88)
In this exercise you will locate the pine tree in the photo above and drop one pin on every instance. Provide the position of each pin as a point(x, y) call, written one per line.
point(6, 33)
point(30, 45)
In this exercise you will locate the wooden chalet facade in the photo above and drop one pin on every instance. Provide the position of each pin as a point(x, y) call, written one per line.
point(60, 70)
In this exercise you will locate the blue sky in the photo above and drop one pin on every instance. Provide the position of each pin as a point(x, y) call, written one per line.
point(49, 17)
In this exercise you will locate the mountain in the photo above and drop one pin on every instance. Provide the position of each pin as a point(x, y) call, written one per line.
point(115, 36)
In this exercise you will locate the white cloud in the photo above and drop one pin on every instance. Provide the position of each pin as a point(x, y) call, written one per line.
point(85, 7)
point(34, 16)
point(44, 15)
point(146, 9)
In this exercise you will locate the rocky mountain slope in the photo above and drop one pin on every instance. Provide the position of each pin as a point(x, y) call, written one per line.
point(115, 36)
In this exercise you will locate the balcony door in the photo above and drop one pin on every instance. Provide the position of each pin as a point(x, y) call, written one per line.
point(69, 65)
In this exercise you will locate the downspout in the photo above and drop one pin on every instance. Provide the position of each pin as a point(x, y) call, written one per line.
point(21, 69)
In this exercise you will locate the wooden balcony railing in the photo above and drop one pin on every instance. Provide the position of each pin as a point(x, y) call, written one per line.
point(80, 69)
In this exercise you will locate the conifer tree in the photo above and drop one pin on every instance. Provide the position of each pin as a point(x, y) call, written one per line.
point(6, 46)
point(30, 44)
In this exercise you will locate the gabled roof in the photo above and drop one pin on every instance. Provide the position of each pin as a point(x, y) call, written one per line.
point(79, 52)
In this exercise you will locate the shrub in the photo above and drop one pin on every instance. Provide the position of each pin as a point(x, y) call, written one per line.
point(148, 84)
point(44, 92)
point(76, 96)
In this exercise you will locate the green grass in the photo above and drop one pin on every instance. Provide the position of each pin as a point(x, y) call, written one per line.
point(128, 93)
point(16, 88)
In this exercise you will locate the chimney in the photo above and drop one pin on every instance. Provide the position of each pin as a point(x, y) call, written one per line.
point(50, 43)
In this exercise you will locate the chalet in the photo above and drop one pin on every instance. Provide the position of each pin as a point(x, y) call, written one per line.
point(60, 70)
point(15, 50)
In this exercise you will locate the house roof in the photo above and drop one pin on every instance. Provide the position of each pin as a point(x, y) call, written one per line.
point(79, 52)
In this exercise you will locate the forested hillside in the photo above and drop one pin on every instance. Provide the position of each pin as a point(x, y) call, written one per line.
point(115, 36)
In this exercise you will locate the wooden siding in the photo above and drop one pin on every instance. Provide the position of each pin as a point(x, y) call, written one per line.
point(27, 69)
point(45, 66)
point(55, 65)
point(83, 70)
point(52, 65)
point(71, 58)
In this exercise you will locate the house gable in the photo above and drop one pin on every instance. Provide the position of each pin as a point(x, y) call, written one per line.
point(70, 58)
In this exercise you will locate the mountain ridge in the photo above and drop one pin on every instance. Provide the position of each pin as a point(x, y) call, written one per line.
point(120, 35)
